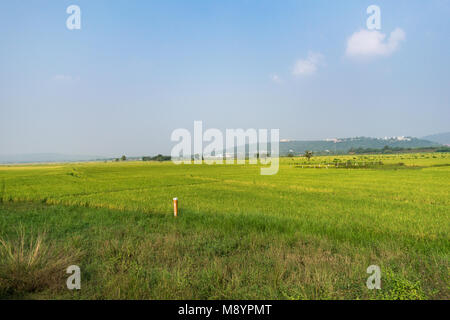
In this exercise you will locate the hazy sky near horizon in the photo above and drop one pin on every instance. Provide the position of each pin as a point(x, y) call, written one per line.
point(137, 70)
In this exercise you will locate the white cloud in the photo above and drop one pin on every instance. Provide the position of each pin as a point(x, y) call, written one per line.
point(366, 44)
point(275, 78)
point(308, 66)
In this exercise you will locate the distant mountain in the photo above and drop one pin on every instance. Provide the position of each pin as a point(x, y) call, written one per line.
point(45, 157)
point(442, 138)
point(345, 144)
point(341, 145)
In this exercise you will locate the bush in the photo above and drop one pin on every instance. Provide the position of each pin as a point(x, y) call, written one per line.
point(159, 157)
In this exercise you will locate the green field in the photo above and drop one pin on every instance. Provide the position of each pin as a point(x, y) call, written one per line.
point(309, 232)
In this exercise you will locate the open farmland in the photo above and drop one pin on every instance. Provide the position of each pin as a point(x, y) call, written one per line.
point(308, 232)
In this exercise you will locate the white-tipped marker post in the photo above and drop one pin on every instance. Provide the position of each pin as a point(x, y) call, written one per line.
point(175, 207)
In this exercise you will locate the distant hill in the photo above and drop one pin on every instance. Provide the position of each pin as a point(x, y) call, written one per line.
point(341, 145)
point(442, 138)
point(45, 157)
point(345, 144)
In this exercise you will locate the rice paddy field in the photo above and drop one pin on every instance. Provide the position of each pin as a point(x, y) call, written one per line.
point(308, 232)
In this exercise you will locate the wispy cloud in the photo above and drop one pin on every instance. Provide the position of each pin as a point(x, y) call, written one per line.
point(308, 66)
point(367, 44)
point(276, 78)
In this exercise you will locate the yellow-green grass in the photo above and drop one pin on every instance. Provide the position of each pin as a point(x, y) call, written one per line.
point(305, 233)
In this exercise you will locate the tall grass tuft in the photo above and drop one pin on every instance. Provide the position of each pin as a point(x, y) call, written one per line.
point(30, 264)
point(3, 191)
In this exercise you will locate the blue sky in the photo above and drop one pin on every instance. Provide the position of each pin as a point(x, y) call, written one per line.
point(137, 70)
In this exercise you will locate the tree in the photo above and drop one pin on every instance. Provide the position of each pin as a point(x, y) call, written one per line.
point(123, 158)
point(308, 155)
point(159, 157)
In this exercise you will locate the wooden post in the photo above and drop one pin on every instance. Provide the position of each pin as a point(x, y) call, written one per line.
point(175, 207)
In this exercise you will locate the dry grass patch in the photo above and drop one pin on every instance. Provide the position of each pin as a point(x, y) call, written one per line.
point(29, 264)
